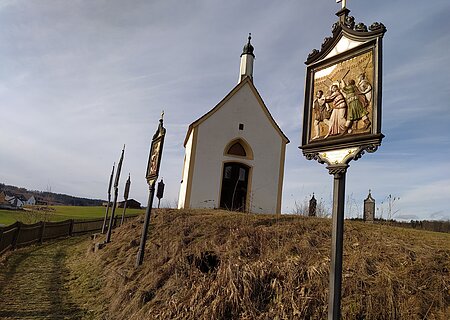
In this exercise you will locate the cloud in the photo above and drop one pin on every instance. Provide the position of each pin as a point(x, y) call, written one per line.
point(81, 78)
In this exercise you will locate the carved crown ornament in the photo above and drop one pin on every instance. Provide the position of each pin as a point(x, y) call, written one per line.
point(346, 25)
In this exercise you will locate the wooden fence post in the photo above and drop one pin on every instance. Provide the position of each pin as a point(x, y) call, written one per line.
point(41, 235)
point(1, 236)
point(71, 227)
point(16, 235)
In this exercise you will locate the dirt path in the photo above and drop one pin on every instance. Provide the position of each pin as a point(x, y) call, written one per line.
point(32, 283)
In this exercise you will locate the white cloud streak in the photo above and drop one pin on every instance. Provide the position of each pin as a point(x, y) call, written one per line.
point(80, 78)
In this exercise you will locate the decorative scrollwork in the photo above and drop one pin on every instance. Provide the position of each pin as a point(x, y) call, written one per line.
point(361, 27)
point(346, 23)
point(371, 148)
point(337, 170)
point(377, 26)
point(313, 53)
point(314, 156)
point(335, 27)
point(359, 155)
point(349, 22)
point(326, 41)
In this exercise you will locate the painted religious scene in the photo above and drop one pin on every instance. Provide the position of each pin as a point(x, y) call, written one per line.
point(342, 101)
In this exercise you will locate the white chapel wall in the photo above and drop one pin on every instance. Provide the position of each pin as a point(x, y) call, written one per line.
point(184, 179)
point(216, 132)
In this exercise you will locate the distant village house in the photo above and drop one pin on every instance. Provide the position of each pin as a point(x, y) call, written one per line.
point(131, 204)
point(15, 202)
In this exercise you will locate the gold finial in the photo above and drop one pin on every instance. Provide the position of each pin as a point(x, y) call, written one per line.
point(162, 114)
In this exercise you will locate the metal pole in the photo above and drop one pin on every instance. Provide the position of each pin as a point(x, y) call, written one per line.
point(116, 193)
point(337, 237)
point(111, 219)
point(148, 211)
point(123, 213)
point(109, 200)
point(106, 214)
point(125, 196)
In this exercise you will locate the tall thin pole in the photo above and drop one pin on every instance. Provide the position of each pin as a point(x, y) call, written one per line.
point(116, 193)
point(109, 199)
point(125, 196)
point(337, 238)
point(148, 212)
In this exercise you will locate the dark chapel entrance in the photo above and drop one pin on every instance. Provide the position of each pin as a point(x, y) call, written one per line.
point(234, 186)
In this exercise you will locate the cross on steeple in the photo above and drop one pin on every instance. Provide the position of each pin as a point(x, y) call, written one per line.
point(344, 3)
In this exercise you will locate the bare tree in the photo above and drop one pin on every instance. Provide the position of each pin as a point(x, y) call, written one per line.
point(388, 207)
point(353, 207)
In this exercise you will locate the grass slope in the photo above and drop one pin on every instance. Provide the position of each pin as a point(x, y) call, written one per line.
point(32, 283)
point(219, 265)
point(59, 213)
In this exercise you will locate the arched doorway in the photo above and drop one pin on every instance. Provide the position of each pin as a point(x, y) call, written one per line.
point(233, 195)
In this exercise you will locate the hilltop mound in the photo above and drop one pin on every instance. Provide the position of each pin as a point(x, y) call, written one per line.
point(212, 264)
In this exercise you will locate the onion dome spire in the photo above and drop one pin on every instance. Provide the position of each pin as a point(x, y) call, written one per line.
point(248, 48)
point(247, 57)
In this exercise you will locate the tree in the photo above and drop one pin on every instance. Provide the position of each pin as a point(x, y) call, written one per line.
point(388, 206)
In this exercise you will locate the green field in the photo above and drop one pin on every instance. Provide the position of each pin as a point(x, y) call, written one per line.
point(59, 213)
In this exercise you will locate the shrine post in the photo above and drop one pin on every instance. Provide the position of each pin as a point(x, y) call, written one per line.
point(154, 162)
point(342, 116)
point(109, 200)
point(116, 193)
point(125, 197)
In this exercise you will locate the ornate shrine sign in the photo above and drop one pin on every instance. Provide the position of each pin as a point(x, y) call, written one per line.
point(154, 159)
point(342, 116)
point(154, 162)
point(342, 108)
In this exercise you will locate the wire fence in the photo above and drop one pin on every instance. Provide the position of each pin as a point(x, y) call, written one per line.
point(18, 235)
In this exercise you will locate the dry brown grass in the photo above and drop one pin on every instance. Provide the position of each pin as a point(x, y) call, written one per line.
point(220, 265)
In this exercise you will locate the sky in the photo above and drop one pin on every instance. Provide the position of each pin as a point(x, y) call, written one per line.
point(81, 78)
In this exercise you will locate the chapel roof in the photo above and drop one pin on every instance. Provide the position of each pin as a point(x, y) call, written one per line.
point(246, 80)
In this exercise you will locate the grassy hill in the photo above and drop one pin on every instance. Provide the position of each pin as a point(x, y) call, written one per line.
point(220, 265)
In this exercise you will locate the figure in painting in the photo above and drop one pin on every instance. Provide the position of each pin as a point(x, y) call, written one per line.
point(154, 159)
point(365, 87)
point(337, 120)
point(356, 103)
point(321, 112)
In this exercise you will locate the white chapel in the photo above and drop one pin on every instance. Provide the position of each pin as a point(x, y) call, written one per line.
point(235, 153)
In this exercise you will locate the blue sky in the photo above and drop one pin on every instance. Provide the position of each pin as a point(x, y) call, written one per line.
point(78, 79)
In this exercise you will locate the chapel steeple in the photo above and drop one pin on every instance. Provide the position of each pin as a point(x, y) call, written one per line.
point(247, 57)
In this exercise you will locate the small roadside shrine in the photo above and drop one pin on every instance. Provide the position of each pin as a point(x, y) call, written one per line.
point(342, 116)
